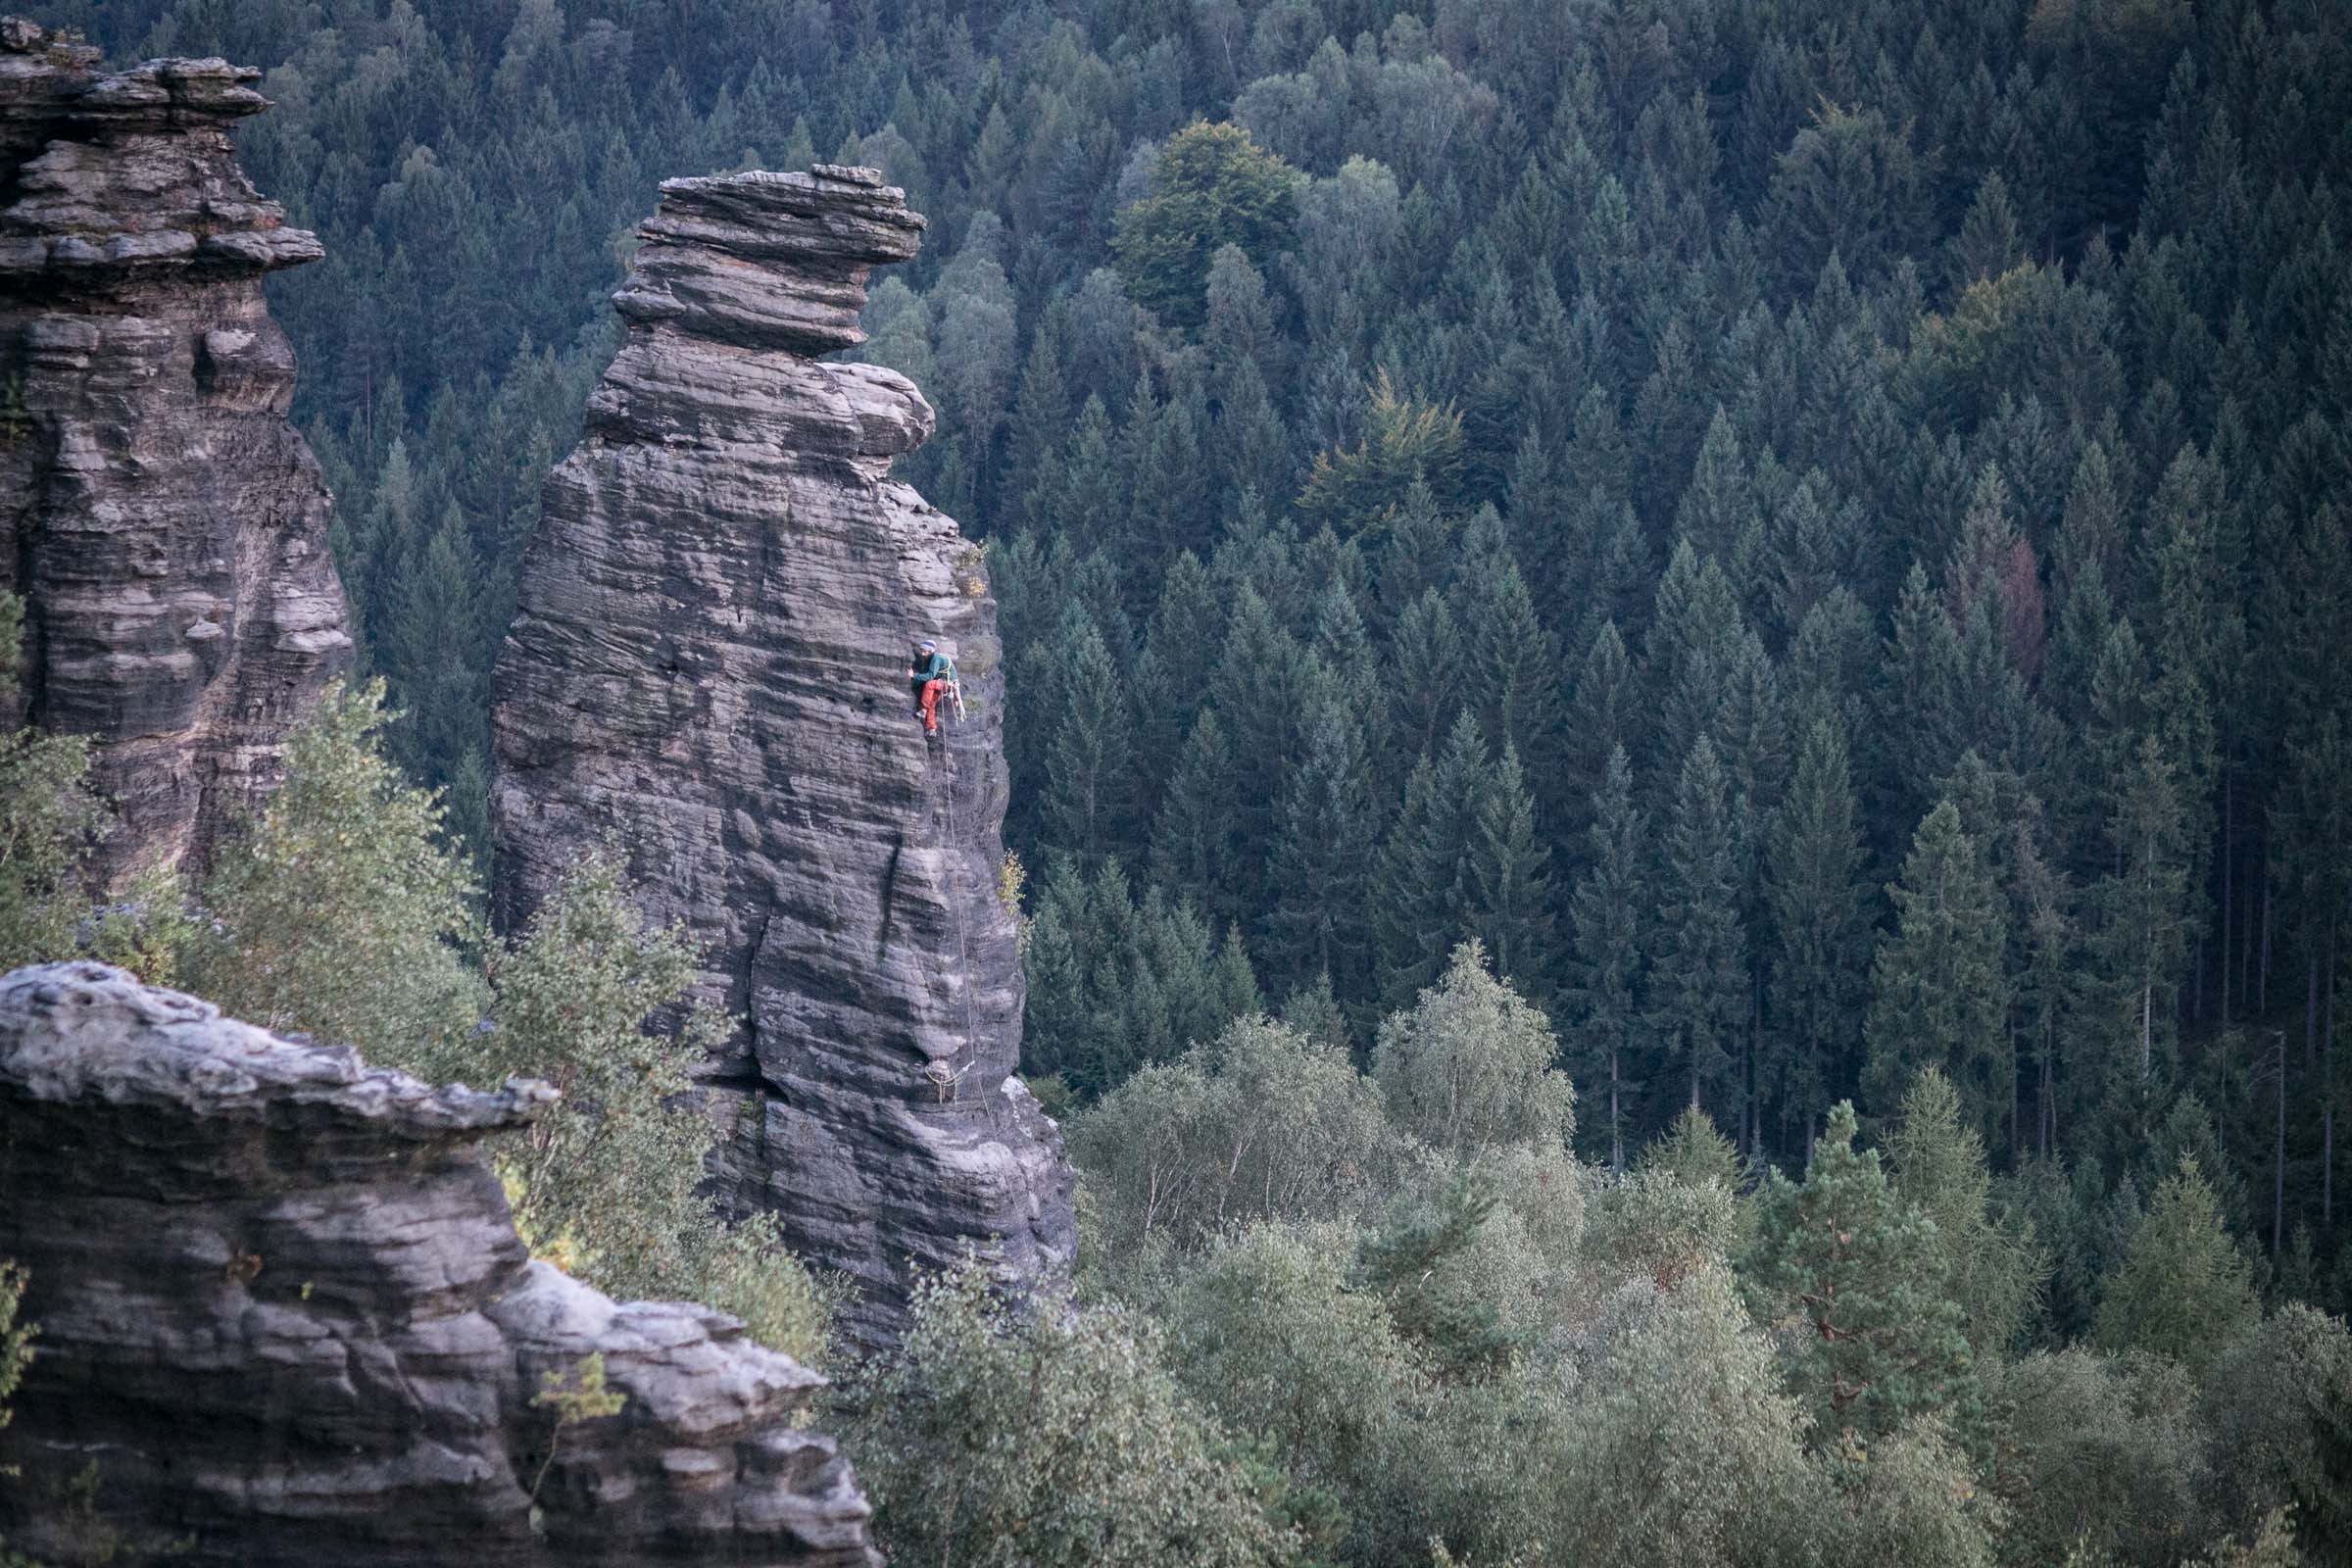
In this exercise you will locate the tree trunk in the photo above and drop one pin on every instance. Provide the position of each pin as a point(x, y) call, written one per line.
point(2328, 1093)
point(2278, 1152)
point(1616, 1134)
point(2228, 888)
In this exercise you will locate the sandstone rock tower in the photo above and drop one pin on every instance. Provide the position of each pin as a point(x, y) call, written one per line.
point(708, 672)
point(285, 1320)
point(164, 523)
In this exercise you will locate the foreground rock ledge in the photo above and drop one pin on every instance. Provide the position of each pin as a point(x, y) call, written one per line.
point(285, 1319)
point(165, 524)
point(709, 670)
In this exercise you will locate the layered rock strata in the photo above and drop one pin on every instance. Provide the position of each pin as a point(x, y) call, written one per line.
point(708, 671)
point(164, 523)
point(284, 1319)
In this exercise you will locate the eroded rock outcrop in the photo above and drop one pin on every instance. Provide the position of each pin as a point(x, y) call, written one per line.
point(284, 1319)
point(165, 524)
point(707, 670)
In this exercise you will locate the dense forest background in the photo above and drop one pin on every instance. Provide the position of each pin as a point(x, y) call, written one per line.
point(1813, 529)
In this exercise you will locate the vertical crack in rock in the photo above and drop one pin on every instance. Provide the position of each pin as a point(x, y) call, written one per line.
point(285, 1320)
point(164, 523)
point(709, 669)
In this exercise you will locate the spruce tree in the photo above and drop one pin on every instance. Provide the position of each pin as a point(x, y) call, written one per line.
point(1090, 757)
point(1195, 840)
point(2180, 1289)
point(1510, 874)
point(1820, 909)
point(1938, 993)
point(1327, 829)
point(1426, 903)
point(1609, 1035)
point(1425, 674)
point(1699, 990)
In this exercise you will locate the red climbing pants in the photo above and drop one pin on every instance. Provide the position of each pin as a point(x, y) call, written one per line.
point(933, 691)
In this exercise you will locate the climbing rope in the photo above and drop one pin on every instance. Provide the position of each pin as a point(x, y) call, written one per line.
point(954, 892)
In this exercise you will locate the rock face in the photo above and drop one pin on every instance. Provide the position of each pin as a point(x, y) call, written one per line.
point(709, 669)
point(284, 1319)
point(164, 523)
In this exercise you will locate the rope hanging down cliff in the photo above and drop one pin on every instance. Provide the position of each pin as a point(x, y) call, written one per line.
point(943, 1078)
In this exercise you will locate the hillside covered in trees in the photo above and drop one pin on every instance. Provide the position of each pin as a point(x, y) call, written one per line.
point(1813, 532)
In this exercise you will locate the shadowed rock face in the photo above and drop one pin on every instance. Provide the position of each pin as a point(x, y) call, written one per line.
point(709, 669)
point(164, 521)
point(284, 1313)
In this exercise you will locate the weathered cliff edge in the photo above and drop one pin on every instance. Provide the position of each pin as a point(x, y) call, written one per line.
point(165, 524)
point(709, 670)
point(284, 1319)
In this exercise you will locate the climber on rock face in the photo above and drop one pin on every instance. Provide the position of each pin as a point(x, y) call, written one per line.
point(932, 673)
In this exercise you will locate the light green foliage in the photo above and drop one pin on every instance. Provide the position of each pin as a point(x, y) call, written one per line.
point(2271, 1545)
point(1471, 1065)
point(1993, 1266)
point(2269, 1409)
point(1911, 1499)
point(2182, 1289)
point(16, 1353)
point(576, 1395)
point(1858, 1282)
point(1261, 1123)
point(48, 817)
point(1362, 490)
point(1656, 1226)
point(339, 912)
point(1679, 1446)
point(1054, 1440)
point(16, 1339)
point(2101, 1453)
point(1267, 1330)
point(1211, 186)
point(606, 1183)
point(1694, 1151)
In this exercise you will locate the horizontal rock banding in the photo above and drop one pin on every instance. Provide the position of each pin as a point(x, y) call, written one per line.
point(285, 1319)
point(708, 669)
point(164, 523)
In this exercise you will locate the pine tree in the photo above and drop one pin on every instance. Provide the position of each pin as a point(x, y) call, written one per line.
point(1610, 1035)
point(1938, 993)
point(1820, 919)
point(1699, 986)
point(1858, 1275)
point(1171, 680)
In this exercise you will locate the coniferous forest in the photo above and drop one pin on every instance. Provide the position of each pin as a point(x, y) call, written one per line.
point(1814, 532)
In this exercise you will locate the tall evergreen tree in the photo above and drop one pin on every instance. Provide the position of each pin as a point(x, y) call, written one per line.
point(1819, 906)
point(1938, 995)
point(1609, 909)
point(1859, 1271)
point(1700, 987)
